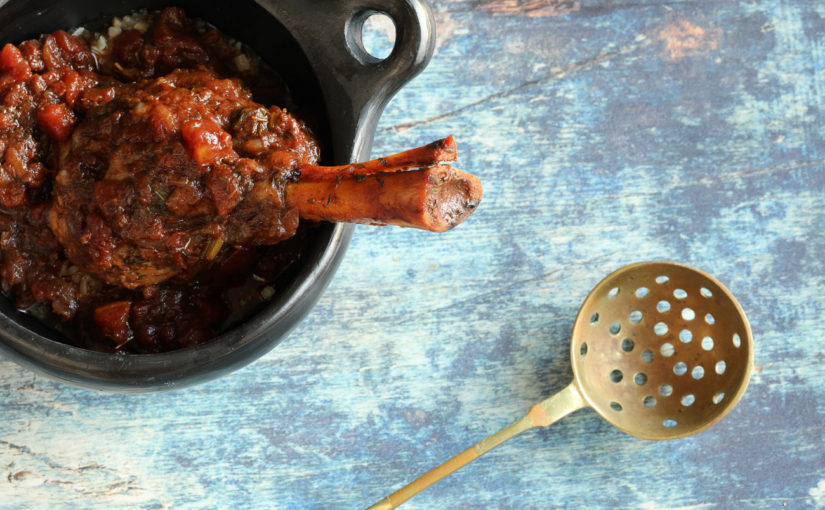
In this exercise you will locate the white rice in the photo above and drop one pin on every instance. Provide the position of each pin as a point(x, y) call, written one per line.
point(141, 20)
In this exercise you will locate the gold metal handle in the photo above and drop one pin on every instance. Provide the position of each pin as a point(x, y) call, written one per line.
point(540, 415)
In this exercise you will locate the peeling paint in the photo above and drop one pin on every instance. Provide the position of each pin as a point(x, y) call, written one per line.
point(817, 494)
point(532, 8)
point(684, 39)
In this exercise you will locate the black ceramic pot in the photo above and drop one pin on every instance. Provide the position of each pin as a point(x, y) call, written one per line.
point(315, 45)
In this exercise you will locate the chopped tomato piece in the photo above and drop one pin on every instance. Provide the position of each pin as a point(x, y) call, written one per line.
point(33, 51)
point(56, 120)
point(63, 49)
point(112, 321)
point(207, 141)
point(68, 42)
point(74, 86)
point(14, 63)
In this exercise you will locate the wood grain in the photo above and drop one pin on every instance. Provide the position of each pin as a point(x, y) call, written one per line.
point(612, 132)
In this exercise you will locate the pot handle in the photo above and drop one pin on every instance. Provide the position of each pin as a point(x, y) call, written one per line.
point(356, 85)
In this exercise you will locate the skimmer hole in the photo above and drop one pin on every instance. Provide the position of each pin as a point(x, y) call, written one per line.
point(613, 292)
point(705, 292)
point(649, 401)
point(667, 349)
point(669, 423)
point(640, 379)
point(680, 368)
point(685, 336)
point(660, 328)
point(583, 349)
point(665, 390)
point(662, 306)
point(635, 316)
point(679, 294)
point(642, 292)
point(698, 372)
point(737, 342)
point(717, 397)
point(378, 35)
point(615, 406)
point(720, 367)
point(688, 314)
point(647, 356)
point(594, 319)
point(615, 327)
point(616, 376)
point(710, 319)
point(688, 400)
point(707, 343)
point(627, 345)
point(662, 279)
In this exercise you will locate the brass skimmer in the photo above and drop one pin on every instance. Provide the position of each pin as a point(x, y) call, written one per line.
point(659, 349)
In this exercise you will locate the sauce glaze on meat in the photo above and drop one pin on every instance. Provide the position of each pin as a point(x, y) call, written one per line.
point(176, 86)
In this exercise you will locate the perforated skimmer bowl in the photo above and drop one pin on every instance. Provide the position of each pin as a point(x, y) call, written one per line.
point(659, 349)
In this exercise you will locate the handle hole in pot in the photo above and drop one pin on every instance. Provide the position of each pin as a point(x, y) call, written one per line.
point(371, 35)
point(378, 34)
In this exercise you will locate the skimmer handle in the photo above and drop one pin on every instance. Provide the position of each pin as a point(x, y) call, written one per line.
point(542, 414)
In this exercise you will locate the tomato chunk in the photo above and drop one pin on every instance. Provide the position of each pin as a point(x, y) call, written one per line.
point(74, 85)
point(56, 120)
point(112, 321)
point(207, 141)
point(14, 63)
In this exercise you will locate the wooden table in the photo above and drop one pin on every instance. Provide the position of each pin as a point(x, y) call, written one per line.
point(605, 132)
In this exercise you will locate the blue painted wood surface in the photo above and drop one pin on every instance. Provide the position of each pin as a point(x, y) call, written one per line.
point(605, 132)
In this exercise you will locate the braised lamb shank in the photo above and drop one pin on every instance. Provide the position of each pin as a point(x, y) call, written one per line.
point(161, 174)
